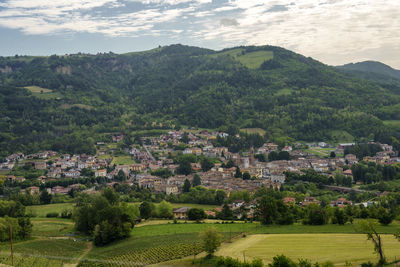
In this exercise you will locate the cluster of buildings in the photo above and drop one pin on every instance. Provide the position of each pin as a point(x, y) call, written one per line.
point(157, 153)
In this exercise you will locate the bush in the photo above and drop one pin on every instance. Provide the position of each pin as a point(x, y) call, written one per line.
point(66, 214)
point(52, 215)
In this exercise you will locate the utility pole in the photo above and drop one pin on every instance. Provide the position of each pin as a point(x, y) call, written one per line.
point(12, 252)
point(244, 256)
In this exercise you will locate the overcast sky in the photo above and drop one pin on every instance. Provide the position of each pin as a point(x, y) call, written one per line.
point(332, 31)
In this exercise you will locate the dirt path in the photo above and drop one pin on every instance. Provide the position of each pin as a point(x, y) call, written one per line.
point(89, 247)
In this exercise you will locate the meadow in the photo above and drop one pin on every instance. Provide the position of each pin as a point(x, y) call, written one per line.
point(340, 249)
point(43, 93)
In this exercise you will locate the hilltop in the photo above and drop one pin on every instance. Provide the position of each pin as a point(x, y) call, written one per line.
point(67, 103)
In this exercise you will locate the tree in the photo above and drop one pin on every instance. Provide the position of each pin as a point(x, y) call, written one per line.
point(315, 215)
point(385, 217)
point(238, 173)
point(369, 228)
point(45, 197)
point(186, 186)
point(185, 138)
point(273, 155)
point(339, 216)
point(246, 176)
point(282, 261)
point(284, 155)
point(145, 210)
point(267, 209)
point(196, 180)
point(120, 176)
point(332, 154)
point(230, 164)
point(196, 214)
point(220, 196)
point(211, 240)
point(206, 164)
point(184, 168)
point(103, 217)
point(226, 213)
point(164, 209)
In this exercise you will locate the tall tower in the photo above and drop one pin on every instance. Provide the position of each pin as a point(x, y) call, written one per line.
point(252, 161)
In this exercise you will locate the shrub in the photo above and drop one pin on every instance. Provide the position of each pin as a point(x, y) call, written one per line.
point(52, 215)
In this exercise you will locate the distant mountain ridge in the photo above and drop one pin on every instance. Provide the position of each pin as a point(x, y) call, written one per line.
point(372, 67)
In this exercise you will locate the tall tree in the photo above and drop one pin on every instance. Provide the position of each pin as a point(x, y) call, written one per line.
point(196, 180)
point(186, 186)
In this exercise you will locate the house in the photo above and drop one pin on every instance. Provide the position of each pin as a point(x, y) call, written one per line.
point(125, 168)
point(171, 190)
point(348, 172)
point(33, 190)
point(181, 213)
point(310, 200)
point(351, 158)
point(237, 204)
point(100, 173)
point(40, 165)
point(340, 202)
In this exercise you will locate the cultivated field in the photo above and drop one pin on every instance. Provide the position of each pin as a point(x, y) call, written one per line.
point(337, 248)
point(43, 93)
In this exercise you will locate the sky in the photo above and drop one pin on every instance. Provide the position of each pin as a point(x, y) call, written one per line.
point(332, 31)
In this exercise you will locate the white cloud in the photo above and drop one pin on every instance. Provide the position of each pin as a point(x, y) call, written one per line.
point(334, 31)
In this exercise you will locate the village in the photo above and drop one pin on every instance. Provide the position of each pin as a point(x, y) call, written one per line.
point(155, 154)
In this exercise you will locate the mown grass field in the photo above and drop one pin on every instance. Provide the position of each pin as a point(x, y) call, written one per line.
point(122, 160)
point(252, 60)
point(337, 248)
point(43, 93)
point(42, 210)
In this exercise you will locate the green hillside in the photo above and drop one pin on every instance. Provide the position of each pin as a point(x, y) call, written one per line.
point(281, 92)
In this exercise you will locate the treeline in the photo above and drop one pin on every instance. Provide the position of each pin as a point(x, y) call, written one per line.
point(371, 172)
point(363, 150)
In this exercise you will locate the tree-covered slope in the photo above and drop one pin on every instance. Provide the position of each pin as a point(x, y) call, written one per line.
point(266, 87)
point(373, 67)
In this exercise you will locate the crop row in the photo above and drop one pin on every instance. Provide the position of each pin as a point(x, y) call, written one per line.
point(24, 261)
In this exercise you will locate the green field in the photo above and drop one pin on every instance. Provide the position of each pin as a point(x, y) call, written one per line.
point(252, 60)
point(122, 160)
point(42, 210)
point(254, 131)
point(337, 248)
point(43, 93)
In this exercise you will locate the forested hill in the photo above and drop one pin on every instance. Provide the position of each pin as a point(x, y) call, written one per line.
point(68, 102)
point(373, 67)
point(374, 71)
